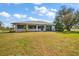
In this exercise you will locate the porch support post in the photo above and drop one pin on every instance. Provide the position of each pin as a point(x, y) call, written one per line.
point(53, 28)
point(16, 28)
point(44, 28)
point(36, 27)
point(26, 27)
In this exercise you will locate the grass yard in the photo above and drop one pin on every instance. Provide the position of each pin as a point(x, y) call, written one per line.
point(39, 44)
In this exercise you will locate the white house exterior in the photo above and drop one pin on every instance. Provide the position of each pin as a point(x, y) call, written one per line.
point(33, 26)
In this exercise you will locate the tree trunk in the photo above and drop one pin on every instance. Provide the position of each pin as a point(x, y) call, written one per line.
point(68, 28)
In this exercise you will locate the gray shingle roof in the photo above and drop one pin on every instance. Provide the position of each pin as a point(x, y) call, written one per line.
point(33, 22)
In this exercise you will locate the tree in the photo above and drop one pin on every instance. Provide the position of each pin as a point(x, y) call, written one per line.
point(1, 25)
point(68, 17)
point(59, 25)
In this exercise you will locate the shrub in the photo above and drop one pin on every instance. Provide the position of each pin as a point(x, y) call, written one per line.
point(59, 27)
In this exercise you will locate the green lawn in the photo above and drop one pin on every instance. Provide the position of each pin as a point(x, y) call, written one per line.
point(39, 43)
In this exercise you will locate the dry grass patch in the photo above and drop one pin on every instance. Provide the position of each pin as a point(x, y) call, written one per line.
point(39, 43)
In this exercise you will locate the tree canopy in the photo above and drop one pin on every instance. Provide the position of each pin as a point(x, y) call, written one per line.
point(68, 17)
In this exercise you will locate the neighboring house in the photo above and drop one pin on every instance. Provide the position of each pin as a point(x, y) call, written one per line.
point(33, 26)
point(75, 27)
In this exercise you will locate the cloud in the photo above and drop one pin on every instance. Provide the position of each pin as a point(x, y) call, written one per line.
point(43, 11)
point(37, 19)
point(51, 14)
point(54, 10)
point(32, 19)
point(5, 14)
point(16, 3)
point(46, 20)
point(37, 3)
point(8, 4)
point(20, 16)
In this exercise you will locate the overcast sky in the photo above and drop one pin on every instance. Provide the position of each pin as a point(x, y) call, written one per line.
point(19, 12)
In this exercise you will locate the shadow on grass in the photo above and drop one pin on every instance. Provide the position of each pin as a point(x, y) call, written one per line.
point(10, 32)
point(15, 32)
point(4, 32)
point(70, 32)
point(65, 32)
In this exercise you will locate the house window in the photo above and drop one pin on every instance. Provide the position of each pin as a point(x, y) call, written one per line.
point(21, 26)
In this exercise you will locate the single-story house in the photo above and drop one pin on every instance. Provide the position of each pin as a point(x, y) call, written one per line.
point(33, 26)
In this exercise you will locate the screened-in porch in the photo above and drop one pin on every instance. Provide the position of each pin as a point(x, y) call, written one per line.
point(33, 26)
